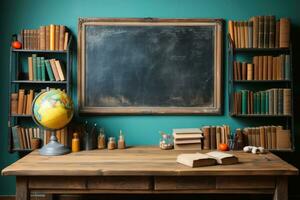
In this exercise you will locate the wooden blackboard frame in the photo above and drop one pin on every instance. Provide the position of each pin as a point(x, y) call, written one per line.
point(215, 109)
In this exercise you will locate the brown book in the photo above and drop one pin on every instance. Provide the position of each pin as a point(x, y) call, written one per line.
point(239, 71)
point(213, 143)
point(235, 77)
point(249, 71)
point(194, 146)
point(30, 37)
point(246, 27)
point(20, 138)
point(21, 101)
point(61, 37)
point(218, 136)
point(239, 36)
point(244, 71)
point(284, 33)
point(255, 67)
point(54, 69)
point(42, 37)
point(270, 67)
point(260, 31)
point(277, 35)
point(30, 69)
point(196, 160)
point(265, 67)
point(266, 31)
point(269, 136)
point(274, 137)
point(274, 69)
point(255, 32)
point(235, 34)
point(223, 158)
point(283, 139)
point(242, 34)
point(52, 37)
point(60, 70)
point(23, 135)
point(66, 39)
point(260, 67)
point(231, 30)
point(24, 104)
point(272, 31)
point(56, 38)
point(262, 137)
point(29, 102)
point(14, 103)
point(47, 37)
point(287, 99)
point(25, 39)
point(206, 137)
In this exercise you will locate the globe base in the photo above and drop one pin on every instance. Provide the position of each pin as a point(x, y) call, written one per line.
point(53, 148)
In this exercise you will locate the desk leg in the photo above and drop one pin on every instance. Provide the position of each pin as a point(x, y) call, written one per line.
point(22, 192)
point(281, 190)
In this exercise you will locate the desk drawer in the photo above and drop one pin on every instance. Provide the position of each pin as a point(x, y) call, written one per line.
point(119, 183)
point(184, 183)
point(245, 182)
point(56, 182)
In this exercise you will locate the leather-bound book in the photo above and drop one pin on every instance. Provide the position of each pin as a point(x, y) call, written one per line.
point(265, 67)
point(235, 77)
point(30, 69)
point(206, 139)
point(260, 67)
point(61, 37)
point(287, 98)
point(272, 31)
point(284, 33)
point(262, 136)
point(275, 98)
point(14, 103)
point(235, 30)
point(29, 102)
point(260, 31)
point(213, 142)
point(47, 37)
point(24, 104)
point(244, 71)
point(249, 71)
point(283, 139)
point(246, 29)
point(270, 67)
point(266, 31)
point(231, 30)
point(280, 101)
point(255, 31)
point(244, 101)
point(271, 101)
point(255, 67)
point(21, 95)
point(273, 137)
point(52, 37)
point(274, 68)
point(218, 136)
point(242, 34)
point(287, 67)
point(42, 38)
point(66, 39)
point(56, 38)
point(277, 34)
point(250, 34)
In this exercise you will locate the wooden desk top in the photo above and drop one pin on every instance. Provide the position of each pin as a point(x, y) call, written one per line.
point(142, 161)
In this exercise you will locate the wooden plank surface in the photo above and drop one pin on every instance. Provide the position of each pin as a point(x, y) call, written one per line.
point(142, 161)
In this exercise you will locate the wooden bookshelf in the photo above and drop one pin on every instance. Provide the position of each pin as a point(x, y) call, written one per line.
point(15, 67)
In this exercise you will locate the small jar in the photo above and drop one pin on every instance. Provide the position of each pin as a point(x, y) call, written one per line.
point(101, 140)
point(111, 143)
point(121, 141)
point(35, 143)
point(75, 143)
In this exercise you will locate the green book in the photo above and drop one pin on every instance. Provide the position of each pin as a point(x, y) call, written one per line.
point(244, 101)
point(258, 107)
point(287, 67)
point(49, 70)
point(16, 142)
point(263, 102)
point(267, 102)
point(255, 103)
point(38, 66)
point(43, 69)
point(34, 66)
point(280, 101)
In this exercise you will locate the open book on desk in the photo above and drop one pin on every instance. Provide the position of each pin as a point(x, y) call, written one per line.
point(207, 159)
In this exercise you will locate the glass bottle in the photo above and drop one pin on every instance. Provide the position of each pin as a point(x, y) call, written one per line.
point(101, 139)
point(75, 143)
point(111, 143)
point(121, 141)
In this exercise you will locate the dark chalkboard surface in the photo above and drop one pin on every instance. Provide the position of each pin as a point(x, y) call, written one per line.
point(150, 67)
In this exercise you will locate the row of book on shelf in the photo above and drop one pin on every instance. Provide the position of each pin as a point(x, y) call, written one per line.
point(22, 136)
point(260, 32)
point(269, 137)
point(51, 37)
point(275, 101)
point(41, 69)
point(21, 101)
point(210, 137)
point(263, 68)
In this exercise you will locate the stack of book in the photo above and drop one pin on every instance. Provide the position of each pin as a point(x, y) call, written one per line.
point(260, 32)
point(22, 136)
point(41, 69)
point(269, 137)
point(263, 68)
point(213, 136)
point(275, 101)
point(21, 102)
point(51, 37)
point(187, 138)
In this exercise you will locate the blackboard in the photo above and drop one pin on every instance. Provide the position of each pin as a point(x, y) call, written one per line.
point(150, 67)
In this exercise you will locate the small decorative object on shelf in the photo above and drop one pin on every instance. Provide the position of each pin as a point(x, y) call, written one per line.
point(35, 143)
point(101, 139)
point(166, 141)
point(111, 143)
point(75, 143)
point(15, 43)
point(121, 141)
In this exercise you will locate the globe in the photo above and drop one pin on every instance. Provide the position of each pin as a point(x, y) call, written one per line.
point(52, 109)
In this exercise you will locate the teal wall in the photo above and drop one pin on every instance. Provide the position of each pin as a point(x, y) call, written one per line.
point(140, 130)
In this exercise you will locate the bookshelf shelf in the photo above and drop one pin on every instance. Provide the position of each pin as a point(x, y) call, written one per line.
point(18, 58)
point(261, 81)
point(258, 115)
point(38, 82)
point(261, 50)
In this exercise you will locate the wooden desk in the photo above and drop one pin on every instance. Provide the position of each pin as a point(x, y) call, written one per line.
point(147, 170)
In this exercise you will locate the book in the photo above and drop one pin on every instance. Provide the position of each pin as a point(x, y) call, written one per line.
point(38, 69)
point(193, 146)
point(47, 37)
point(260, 32)
point(266, 31)
point(272, 31)
point(255, 31)
point(49, 70)
point(196, 160)
point(250, 34)
point(61, 37)
point(260, 67)
point(249, 71)
point(60, 70)
point(284, 33)
point(223, 158)
point(15, 137)
point(52, 36)
point(277, 34)
point(30, 69)
point(287, 67)
point(29, 102)
point(283, 139)
point(187, 141)
point(54, 69)
point(42, 37)
point(43, 69)
point(287, 108)
point(21, 95)
point(269, 67)
point(34, 66)
point(213, 144)
point(206, 137)
point(66, 39)
point(56, 37)
point(14, 103)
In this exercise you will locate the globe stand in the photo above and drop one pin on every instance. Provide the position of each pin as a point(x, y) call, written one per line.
point(54, 148)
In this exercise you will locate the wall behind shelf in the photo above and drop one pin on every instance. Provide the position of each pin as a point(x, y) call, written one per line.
point(139, 130)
